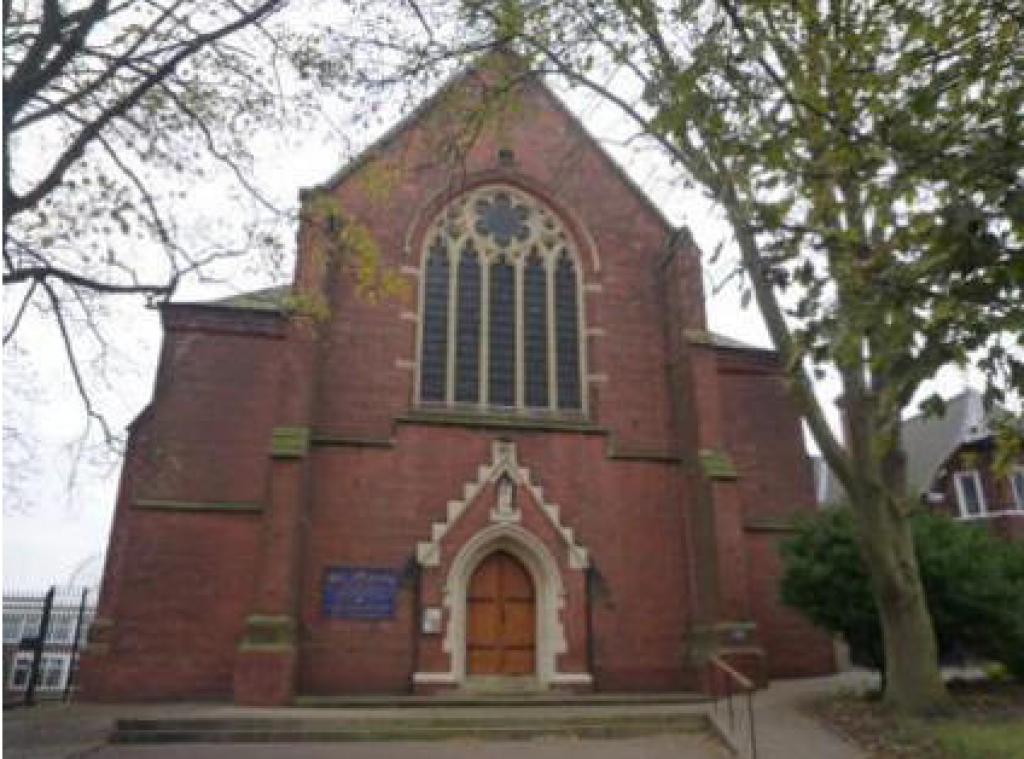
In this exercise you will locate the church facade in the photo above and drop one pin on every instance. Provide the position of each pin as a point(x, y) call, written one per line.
point(526, 465)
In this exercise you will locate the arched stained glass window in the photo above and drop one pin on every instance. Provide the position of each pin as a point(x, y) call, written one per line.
point(567, 330)
point(467, 328)
point(434, 363)
point(535, 332)
point(502, 333)
point(504, 265)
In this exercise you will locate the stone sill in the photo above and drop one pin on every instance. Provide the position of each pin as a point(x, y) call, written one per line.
point(1001, 514)
point(198, 506)
point(499, 421)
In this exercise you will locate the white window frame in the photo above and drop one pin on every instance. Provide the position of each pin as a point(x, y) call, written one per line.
point(49, 662)
point(958, 478)
point(14, 625)
point(1017, 487)
point(62, 626)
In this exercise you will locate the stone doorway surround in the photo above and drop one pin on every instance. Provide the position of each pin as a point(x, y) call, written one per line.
point(547, 582)
point(502, 526)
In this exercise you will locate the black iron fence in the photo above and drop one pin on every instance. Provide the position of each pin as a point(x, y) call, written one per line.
point(43, 634)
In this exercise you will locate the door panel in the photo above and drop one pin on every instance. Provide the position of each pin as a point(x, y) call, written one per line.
point(501, 625)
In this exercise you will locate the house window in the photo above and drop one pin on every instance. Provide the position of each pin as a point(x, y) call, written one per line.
point(21, 671)
point(13, 622)
point(501, 308)
point(53, 671)
point(20, 624)
point(62, 627)
point(969, 493)
point(1017, 486)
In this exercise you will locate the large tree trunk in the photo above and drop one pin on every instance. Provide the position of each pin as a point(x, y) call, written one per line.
point(879, 495)
point(912, 677)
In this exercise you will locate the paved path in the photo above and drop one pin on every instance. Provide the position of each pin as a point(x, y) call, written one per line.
point(786, 731)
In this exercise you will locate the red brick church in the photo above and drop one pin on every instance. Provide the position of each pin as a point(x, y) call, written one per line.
point(536, 469)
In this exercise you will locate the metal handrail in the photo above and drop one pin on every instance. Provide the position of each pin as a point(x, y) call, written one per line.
point(734, 683)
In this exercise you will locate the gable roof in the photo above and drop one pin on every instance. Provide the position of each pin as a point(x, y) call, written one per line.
point(929, 441)
point(676, 233)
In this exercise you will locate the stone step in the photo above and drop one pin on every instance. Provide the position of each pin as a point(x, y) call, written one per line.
point(504, 699)
point(301, 729)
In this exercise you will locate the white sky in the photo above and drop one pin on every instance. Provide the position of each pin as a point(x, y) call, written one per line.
point(60, 533)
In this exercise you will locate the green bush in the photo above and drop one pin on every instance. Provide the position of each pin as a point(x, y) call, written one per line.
point(974, 582)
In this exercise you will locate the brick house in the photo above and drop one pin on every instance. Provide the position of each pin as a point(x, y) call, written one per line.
point(537, 469)
point(950, 467)
point(950, 461)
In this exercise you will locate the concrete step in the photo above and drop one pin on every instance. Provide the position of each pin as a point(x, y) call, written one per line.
point(433, 725)
point(372, 701)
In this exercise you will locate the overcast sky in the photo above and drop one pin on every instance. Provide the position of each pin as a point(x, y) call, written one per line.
point(56, 533)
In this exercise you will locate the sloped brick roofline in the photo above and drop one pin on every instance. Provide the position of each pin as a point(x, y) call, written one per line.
point(674, 235)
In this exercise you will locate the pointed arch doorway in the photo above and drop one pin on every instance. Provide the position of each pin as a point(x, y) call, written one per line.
point(501, 619)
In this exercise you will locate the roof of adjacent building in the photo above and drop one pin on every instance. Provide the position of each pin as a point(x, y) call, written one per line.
point(929, 441)
point(266, 299)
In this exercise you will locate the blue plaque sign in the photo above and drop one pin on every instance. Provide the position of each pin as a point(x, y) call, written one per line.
point(359, 593)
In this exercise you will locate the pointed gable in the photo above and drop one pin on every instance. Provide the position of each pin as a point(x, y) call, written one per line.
point(518, 113)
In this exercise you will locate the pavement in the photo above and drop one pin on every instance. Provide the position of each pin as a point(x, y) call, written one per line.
point(784, 731)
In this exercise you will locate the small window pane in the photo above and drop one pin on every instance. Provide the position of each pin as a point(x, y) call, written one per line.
point(502, 337)
point(467, 329)
point(12, 626)
point(32, 622)
point(1017, 480)
point(535, 329)
point(969, 493)
point(61, 627)
point(51, 673)
point(433, 375)
point(567, 333)
point(21, 672)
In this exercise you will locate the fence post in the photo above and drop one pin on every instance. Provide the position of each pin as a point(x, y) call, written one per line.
point(750, 721)
point(38, 647)
point(72, 669)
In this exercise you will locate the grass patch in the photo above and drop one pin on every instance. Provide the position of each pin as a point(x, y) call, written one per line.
point(996, 740)
point(988, 723)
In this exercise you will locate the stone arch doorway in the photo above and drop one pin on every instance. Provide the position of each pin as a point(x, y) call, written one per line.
point(501, 615)
point(549, 598)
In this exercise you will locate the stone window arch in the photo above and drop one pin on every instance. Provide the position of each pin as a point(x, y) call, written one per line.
point(501, 308)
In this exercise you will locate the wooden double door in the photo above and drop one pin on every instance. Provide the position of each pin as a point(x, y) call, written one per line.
point(502, 613)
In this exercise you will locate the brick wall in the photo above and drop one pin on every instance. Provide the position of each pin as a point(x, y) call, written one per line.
point(179, 583)
point(179, 579)
point(776, 483)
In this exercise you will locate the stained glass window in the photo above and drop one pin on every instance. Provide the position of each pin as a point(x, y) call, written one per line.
point(567, 347)
point(434, 368)
point(535, 332)
point(504, 264)
point(467, 328)
point(502, 344)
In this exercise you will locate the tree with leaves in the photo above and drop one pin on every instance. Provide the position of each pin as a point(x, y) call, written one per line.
point(115, 112)
point(974, 581)
point(869, 160)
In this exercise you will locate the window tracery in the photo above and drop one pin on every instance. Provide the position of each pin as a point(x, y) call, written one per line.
point(501, 307)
